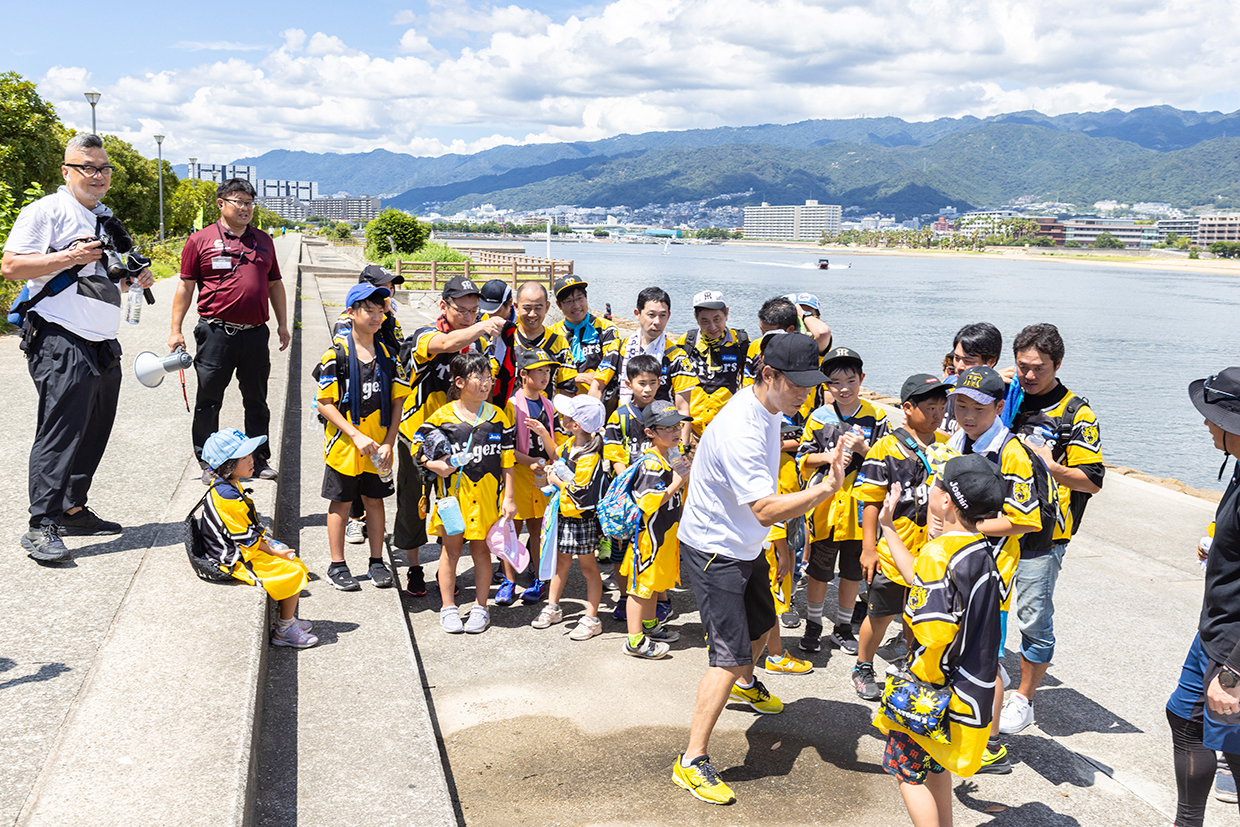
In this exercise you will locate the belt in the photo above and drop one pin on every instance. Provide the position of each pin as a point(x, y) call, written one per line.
point(229, 326)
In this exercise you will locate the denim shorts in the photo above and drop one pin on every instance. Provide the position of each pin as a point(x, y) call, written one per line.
point(1035, 605)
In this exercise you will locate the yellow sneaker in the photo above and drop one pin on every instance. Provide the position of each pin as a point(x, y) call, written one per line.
point(788, 665)
point(701, 779)
point(758, 698)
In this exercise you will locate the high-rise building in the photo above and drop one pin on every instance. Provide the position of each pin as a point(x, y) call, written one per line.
point(1212, 228)
point(219, 173)
point(792, 223)
point(344, 209)
point(305, 190)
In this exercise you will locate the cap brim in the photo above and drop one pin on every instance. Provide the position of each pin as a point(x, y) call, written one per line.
point(545, 363)
point(488, 306)
point(929, 390)
point(663, 420)
point(838, 361)
point(248, 447)
point(976, 395)
point(1226, 419)
point(566, 288)
point(710, 306)
point(805, 378)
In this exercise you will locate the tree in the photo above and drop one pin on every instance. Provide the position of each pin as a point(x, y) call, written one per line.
point(1225, 249)
point(1072, 244)
point(134, 195)
point(32, 138)
point(1106, 241)
point(599, 232)
point(405, 231)
point(191, 195)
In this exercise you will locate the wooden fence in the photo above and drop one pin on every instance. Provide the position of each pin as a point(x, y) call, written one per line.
point(484, 266)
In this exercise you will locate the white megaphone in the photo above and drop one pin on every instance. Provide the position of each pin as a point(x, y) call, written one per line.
point(150, 369)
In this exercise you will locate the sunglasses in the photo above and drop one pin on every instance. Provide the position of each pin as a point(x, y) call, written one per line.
point(1216, 394)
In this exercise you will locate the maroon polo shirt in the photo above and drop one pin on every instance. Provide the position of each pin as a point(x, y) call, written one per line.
point(232, 273)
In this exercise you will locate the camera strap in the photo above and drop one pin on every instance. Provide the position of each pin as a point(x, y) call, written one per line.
point(57, 284)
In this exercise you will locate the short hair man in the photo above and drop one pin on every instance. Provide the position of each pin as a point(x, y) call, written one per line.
point(70, 344)
point(653, 310)
point(593, 341)
point(730, 505)
point(718, 354)
point(532, 303)
point(975, 345)
point(232, 266)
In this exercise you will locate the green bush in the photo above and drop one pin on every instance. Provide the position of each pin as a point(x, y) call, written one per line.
point(1073, 244)
point(404, 230)
point(1106, 241)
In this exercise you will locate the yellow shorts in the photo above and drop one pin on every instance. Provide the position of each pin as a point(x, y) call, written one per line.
point(280, 577)
point(658, 573)
point(479, 517)
point(531, 502)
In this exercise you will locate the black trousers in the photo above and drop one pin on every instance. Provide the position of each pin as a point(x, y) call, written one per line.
point(79, 383)
point(410, 530)
point(219, 354)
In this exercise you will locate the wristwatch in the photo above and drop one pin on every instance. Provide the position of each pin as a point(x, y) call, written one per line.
point(1228, 678)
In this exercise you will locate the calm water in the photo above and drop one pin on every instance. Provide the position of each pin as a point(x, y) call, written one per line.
point(1135, 338)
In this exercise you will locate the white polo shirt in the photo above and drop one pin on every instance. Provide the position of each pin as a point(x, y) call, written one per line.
point(736, 463)
point(90, 308)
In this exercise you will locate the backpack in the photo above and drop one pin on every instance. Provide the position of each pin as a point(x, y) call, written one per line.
point(198, 547)
point(618, 514)
point(1061, 437)
point(342, 375)
point(1047, 491)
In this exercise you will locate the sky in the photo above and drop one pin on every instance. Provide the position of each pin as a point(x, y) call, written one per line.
point(454, 76)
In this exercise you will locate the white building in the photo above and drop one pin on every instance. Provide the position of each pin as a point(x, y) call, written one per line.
point(1212, 228)
point(1133, 236)
point(1183, 227)
point(219, 173)
point(344, 209)
point(291, 208)
point(985, 222)
point(269, 188)
point(792, 223)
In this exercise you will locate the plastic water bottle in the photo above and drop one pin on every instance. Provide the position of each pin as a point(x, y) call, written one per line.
point(561, 469)
point(1206, 543)
point(385, 474)
point(847, 456)
point(133, 306)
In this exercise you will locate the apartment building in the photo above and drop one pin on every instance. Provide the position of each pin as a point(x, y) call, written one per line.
point(792, 223)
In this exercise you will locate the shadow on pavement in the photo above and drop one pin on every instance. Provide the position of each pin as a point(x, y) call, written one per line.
point(46, 672)
point(774, 748)
point(1063, 711)
point(1033, 814)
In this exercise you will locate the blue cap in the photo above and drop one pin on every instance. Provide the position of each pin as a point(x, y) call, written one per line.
point(228, 444)
point(808, 300)
point(364, 290)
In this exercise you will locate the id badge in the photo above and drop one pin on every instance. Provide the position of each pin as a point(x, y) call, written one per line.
point(221, 263)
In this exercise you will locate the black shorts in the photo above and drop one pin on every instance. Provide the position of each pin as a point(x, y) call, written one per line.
point(734, 602)
point(886, 596)
point(823, 555)
point(341, 488)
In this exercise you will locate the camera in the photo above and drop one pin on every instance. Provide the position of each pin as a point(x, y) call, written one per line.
point(120, 258)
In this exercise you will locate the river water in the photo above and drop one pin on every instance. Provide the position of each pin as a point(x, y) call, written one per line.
point(1134, 337)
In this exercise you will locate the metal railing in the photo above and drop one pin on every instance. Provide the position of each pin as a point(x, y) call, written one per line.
point(483, 266)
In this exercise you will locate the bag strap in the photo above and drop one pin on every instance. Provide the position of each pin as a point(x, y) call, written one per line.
point(907, 440)
point(57, 284)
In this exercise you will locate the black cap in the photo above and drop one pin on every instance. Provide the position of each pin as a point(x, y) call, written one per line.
point(974, 485)
point(565, 283)
point(375, 274)
point(493, 295)
point(840, 357)
point(981, 384)
point(458, 286)
point(921, 384)
point(795, 355)
point(535, 358)
point(662, 413)
point(1217, 397)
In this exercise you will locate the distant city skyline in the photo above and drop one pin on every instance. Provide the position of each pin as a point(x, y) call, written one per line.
point(445, 76)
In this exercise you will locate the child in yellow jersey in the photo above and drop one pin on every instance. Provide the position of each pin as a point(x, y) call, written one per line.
point(579, 534)
point(654, 563)
point(237, 542)
point(953, 610)
point(362, 414)
point(477, 476)
point(533, 420)
point(899, 458)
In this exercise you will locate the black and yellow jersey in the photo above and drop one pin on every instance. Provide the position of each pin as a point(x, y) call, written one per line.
point(656, 534)
point(892, 460)
point(789, 480)
point(428, 377)
point(1075, 444)
point(838, 518)
point(953, 610)
point(233, 531)
point(675, 370)
point(815, 399)
point(546, 416)
point(720, 369)
point(624, 436)
point(564, 379)
point(592, 351)
point(338, 448)
point(479, 484)
point(390, 331)
point(581, 495)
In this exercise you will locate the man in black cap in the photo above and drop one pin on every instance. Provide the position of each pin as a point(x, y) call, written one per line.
point(593, 341)
point(730, 505)
point(425, 357)
point(1210, 679)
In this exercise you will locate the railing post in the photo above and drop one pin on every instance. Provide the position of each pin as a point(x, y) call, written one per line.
point(398, 263)
point(514, 277)
point(434, 275)
point(467, 263)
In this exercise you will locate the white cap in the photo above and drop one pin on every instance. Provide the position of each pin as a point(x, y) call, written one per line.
point(709, 300)
point(586, 411)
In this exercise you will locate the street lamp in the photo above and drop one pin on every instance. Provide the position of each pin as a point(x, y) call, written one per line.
point(159, 171)
point(93, 98)
point(192, 172)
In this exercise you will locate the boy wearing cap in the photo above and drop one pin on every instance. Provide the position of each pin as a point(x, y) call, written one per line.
point(677, 379)
point(495, 302)
point(833, 530)
point(578, 529)
point(592, 341)
point(425, 359)
point(717, 354)
point(978, 399)
point(360, 434)
point(1204, 710)
point(809, 311)
point(952, 609)
point(901, 457)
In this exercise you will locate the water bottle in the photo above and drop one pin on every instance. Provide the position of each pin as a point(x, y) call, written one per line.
point(1038, 438)
point(385, 474)
point(561, 469)
point(847, 456)
point(133, 307)
point(460, 459)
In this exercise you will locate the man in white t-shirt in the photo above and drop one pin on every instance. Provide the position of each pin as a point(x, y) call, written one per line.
point(730, 505)
point(71, 348)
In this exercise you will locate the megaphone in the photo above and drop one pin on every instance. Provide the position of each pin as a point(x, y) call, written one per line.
point(150, 369)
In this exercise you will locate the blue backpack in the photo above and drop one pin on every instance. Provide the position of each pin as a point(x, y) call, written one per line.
point(618, 514)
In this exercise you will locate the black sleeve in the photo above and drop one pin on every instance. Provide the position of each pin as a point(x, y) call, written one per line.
point(1093, 471)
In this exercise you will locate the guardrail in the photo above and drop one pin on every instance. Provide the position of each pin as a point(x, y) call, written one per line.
point(485, 265)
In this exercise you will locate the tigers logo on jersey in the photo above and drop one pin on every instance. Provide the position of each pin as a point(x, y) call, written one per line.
point(1090, 435)
point(916, 598)
point(1021, 492)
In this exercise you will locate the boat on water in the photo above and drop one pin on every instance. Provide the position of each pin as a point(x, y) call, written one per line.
point(824, 264)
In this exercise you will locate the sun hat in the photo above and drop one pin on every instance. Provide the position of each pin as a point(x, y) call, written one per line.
point(228, 444)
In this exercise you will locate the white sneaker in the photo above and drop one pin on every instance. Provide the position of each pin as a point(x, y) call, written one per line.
point(355, 532)
point(479, 620)
point(587, 627)
point(1017, 714)
point(550, 614)
point(450, 619)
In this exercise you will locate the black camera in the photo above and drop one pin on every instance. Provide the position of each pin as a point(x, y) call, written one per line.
point(120, 258)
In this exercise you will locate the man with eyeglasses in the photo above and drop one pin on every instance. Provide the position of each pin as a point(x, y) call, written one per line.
point(71, 349)
point(232, 265)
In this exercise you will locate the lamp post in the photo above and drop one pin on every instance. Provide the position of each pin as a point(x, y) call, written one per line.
point(159, 172)
point(93, 98)
point(192, 172)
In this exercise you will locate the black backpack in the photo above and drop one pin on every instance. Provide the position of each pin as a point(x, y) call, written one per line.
point(1047, 491)
point(1063, 435)
point(198, 549)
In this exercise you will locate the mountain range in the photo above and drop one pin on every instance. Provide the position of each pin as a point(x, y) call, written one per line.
point(886, 164)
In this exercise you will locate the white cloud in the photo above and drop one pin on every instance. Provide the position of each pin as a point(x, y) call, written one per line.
point(217, 46)
point(403, 18)
point(639, 65)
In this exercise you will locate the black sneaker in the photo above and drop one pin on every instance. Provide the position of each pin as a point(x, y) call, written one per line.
point(865, 683)
point(343, 580)
point(843, 638)
point(380, 576)
point(43, 545)
point(995, 763)
point(810, 641)
point(264, 471)
point(86, 523)
point(661, 633)
point(417, 581)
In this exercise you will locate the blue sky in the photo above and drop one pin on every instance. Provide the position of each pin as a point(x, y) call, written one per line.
point(459, 76)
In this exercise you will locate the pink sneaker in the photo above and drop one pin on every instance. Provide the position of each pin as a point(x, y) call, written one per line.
point(294, 636)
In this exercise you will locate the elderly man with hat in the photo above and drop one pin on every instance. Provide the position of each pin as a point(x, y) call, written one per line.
point(1204, 709)
point(430, 352)
point(593, 341)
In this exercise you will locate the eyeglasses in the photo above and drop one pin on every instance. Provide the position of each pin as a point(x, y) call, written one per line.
point(245, 205)
point(91, 171)
point(1217, 394)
